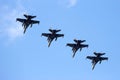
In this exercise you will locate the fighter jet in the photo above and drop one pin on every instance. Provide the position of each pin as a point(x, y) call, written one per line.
point(97, 58)
point(77, 45)
point(28, 21)
point(52, 35)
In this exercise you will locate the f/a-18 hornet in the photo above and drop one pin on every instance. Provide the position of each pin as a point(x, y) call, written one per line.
point(77, 45)
point(28, 21)
point(97, 58)
point(52, 35)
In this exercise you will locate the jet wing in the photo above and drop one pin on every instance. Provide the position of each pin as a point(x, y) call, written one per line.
point(20, 20)
point(83, 45)
point(99, 54)
point(58, 30)
point(104, 58)
point(46, 34)
point(59, 35)
point(90, 57)
point(71, 45)
point(35, 22)
point(29, 16)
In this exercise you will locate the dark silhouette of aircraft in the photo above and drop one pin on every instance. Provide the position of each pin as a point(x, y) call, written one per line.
point(97, 58)
point(28, 21)
point(77, 45)
point(52, 35)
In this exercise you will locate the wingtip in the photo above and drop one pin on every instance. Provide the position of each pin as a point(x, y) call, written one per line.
point(73, 56)
point(48, 46)
point(87, 57)
point(39, 22)
point(16, 19)
point(107, 59)
point(92, 68)
point(41, 35)
point(87, 46)
point(66, 44)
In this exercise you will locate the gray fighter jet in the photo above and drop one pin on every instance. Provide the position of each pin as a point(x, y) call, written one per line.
point(52, 35)
point(77, 45)
point(28, 21)
point(97, 58)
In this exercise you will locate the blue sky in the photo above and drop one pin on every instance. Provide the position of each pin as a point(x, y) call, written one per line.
point(27, 57)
